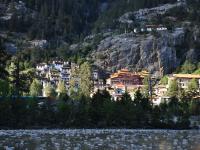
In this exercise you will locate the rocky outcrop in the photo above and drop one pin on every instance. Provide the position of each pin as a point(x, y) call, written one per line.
point(154, 52)
point(148, 14)
point(7, 11)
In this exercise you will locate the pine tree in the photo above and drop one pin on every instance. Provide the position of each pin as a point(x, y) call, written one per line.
point(164, 80)
point(74, 83)
point(173, 88)
point(62, 91)
point(85, 79)
point(188, 67)
point(36, 88)
point(61, 88)
point(193, 87)
point(143, 108)
point(147, 89)
point(49, 90)
point(3, 58)
point(19, 77)
point(4, 87)
point(14, 76)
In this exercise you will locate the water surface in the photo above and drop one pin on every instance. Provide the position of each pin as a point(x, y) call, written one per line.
point(99, 139)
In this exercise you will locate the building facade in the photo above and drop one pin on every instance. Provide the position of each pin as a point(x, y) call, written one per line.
point(123, 80)
point(184, 79)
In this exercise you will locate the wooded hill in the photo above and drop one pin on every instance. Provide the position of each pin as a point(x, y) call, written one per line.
point(70, 20)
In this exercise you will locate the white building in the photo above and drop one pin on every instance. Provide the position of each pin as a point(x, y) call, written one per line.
point(57, 71)
point(42, 67)
point(151, 28)
point(184, 79)
point(39, 43)
point(161, 28)
point(53, 72)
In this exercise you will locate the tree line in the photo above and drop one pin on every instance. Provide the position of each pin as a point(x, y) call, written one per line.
point(100, 111)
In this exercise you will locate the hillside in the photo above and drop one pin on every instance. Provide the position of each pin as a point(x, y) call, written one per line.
point(68, 20)
point(172, 37)
point(81, 29)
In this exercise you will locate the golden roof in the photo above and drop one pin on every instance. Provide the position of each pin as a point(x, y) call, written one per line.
point(143, 73)
point(189, 76)
point(121, 73)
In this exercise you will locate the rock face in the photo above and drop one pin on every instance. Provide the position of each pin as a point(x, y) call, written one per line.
point(148, 14)
point(154, 52)
point(20, 9)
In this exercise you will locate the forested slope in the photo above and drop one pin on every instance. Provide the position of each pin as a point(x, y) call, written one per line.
point(70, 20)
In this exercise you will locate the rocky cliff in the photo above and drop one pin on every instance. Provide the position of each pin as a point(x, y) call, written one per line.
point(154, 52)
point(159, 52)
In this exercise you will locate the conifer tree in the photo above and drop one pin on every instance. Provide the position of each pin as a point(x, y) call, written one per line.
point(74, 83)
point(61, 88)
point(85, 79)
point(36, 88)
point(4, 87)
point(193, 85)
point(49, 90)
point(173, 88)
point(3, 59)
point(14, 76)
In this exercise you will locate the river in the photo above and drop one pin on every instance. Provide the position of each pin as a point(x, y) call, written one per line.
point(91, 139)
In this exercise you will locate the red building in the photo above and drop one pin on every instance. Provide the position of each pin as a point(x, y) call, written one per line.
point(123, 81)
point(125, 78)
